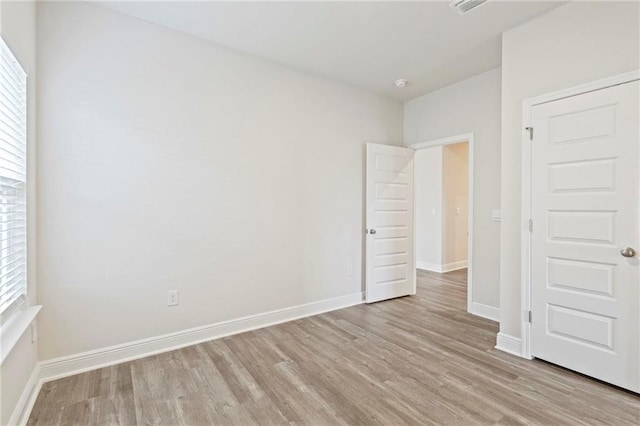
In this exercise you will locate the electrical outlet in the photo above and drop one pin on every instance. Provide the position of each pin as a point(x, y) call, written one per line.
point(172, 298)
point(349, 269)
point(34, 333)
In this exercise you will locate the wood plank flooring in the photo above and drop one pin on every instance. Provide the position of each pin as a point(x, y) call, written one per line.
point(413, 360)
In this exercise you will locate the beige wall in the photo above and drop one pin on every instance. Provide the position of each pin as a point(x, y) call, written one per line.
point(18, 29)
point(455, 159)
point(471, 105)
point(571, 45)
point(170, 163)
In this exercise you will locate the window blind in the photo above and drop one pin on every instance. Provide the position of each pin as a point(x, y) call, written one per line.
point(13, 179)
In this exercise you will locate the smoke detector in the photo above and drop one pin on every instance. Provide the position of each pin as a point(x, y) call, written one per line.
point(401, 83)
point(464, 6)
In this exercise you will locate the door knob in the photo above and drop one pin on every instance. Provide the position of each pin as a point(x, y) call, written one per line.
point(628, 252)
point(372, 231)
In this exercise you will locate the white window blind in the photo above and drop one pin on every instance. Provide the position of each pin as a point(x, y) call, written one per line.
point(13, 179)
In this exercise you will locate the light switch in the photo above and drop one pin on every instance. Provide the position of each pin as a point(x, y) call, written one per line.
point(496, 215)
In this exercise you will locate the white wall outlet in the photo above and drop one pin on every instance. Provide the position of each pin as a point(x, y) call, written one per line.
point(349, 269)
point(172, 299)
point(496, 215)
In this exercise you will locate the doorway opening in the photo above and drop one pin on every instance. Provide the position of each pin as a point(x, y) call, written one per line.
point(443, 230)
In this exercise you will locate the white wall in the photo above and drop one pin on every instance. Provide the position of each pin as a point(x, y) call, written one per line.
point(18, 29)
point(455, 184)
point(471, 105)
point(428, 216)
point(571, 45)
point(167, 162)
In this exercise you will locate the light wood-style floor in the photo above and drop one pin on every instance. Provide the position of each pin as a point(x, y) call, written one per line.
point(413, 360)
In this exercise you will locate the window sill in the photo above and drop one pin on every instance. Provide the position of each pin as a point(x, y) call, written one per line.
point(14, 328)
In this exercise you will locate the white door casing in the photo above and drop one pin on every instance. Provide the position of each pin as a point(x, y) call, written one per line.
point(585, 209)
point(390, 261)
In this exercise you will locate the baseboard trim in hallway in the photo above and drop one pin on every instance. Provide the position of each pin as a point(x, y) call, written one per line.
point(441, 269)
point(104, 357)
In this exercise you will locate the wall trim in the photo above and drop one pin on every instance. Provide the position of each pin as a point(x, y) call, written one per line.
point(427, 266)
point(443, 141)
point(454, 266)
point(91, 360)
point(509, 344)
point(27, 400)
point(434, 267)
point(485, 311)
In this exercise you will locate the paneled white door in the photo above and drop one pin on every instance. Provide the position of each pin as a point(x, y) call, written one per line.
point(585, 294)
point(390, 263)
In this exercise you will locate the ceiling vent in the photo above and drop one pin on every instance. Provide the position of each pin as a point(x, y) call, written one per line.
point(464, 6)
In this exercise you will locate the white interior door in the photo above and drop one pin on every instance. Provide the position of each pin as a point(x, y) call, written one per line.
point(390, 262)
point(585, 283)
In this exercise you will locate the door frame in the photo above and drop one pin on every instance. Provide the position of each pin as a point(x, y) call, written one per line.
point(465, 137)
point(526, 205)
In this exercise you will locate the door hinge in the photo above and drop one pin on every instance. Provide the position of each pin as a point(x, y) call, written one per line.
point(529, 316)
point(530, 130)
point(530, 225)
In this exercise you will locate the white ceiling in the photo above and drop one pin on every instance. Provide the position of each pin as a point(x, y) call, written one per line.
point(365, 44)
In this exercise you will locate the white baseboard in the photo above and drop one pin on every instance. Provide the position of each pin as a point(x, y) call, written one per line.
point(73, 364)
point(434, 267)
point(485, 311)
point(27, 399)
point(509, 344)
point(454, 266)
